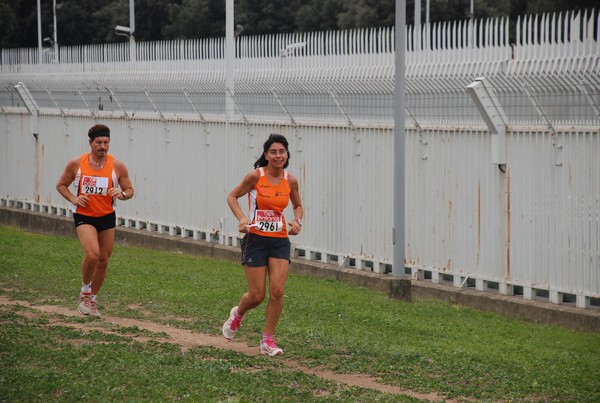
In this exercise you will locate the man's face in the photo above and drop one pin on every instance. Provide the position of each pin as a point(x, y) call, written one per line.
point(100, 146)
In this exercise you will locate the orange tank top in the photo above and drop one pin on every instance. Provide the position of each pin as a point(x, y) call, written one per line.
point(267, 202)
point(95, 184)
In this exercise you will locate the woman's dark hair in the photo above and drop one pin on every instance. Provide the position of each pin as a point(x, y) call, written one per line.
point(273, 138)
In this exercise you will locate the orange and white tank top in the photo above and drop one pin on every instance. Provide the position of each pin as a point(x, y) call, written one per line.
point(95, 184)
point(267, 202)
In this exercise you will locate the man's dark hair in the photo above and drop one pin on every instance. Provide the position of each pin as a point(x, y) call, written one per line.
point(98, 131)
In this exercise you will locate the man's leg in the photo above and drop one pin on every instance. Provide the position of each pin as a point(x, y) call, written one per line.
point(88, 237)
point(106, 242)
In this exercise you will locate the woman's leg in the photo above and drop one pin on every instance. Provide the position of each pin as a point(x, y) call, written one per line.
point(278, 270)
point(256, 277)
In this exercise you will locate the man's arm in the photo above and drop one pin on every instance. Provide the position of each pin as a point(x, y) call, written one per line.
point(126, 191)
point(65, 180)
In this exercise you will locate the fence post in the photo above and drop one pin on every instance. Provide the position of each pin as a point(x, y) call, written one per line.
point(162, 117)
point(31, 105)
point(492, 113)
point(200, 115)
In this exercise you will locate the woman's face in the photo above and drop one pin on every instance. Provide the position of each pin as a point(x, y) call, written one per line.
point(276, 155)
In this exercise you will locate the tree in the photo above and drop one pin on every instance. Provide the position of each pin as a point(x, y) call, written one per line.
point(318, 15)
point(267, 16)
point(151, 17)
point(18, 23)
point(9, 23)
point(93, 21)
point(195, 19)
point(366, 13)
point(545, 6)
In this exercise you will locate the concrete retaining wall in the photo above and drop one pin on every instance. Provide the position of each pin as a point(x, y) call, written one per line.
point(397, 288)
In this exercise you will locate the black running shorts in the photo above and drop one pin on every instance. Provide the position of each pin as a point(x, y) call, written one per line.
point(100, 223)
point(257, 249)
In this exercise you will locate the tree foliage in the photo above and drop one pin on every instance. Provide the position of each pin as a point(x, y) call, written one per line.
point(93, 21)
point(195, 19)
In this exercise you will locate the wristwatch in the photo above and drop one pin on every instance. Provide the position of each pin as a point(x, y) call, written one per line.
point(124, 195)
point(298, 220)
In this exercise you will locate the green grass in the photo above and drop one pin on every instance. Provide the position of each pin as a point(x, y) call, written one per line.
point(41, 363)
point(427, 346)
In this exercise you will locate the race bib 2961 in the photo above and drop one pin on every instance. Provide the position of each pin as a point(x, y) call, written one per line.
point(268, 221)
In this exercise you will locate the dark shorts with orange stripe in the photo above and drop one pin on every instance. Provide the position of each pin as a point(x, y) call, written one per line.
point(100, 223)
point(256, 249)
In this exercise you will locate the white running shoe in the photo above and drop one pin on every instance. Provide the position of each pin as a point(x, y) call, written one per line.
point(94, 309)
point(270, 348)
point(231, 326)
point(85, 303)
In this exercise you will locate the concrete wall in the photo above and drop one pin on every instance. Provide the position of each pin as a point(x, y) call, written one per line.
point(396, 288)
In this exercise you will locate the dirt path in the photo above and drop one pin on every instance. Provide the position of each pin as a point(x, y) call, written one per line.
point(187, 339)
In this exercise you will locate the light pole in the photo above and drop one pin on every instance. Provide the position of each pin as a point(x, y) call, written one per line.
point(417, 26)
point(229, 59)
point(39, 24)
point(419, 33)
point(55, 44)
point(129, 31)
point(427, 35)
point(398, 235)
point(471, 24)
point(132, 50)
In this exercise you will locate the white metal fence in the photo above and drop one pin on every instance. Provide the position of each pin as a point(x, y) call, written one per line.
point(527, 224)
